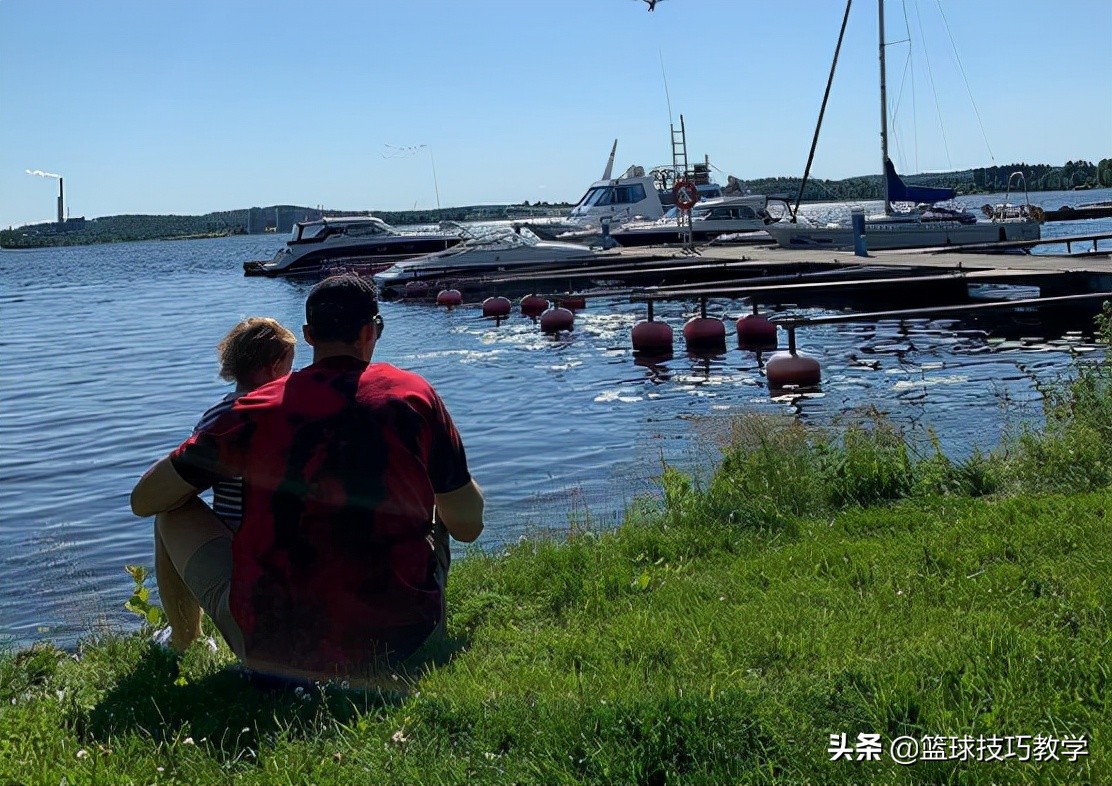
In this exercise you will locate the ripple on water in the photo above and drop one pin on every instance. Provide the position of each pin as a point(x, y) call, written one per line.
point(559, 431)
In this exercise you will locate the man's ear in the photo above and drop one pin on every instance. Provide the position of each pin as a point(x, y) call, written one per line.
point(307, 333)
point(368, 333)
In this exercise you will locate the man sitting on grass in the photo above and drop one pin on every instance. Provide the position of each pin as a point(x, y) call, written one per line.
point(351, 473)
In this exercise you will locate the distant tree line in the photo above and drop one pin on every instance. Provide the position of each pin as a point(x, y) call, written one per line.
point(1039, 177)
point(279, 218)
point(1043, 177)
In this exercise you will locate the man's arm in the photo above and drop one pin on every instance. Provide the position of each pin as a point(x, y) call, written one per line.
point(160, 489)
point(461, 511)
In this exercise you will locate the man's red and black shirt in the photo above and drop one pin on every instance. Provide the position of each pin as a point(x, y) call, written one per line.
point(340, 462)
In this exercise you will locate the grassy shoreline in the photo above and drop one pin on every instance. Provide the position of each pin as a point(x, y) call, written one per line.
point(817, 584)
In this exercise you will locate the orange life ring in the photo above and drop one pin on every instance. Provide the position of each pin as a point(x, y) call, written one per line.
point(686, 194)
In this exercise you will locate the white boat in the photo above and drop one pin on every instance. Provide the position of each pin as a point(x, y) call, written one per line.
point(500, 250)
point(710, 218)
point(362, 244)
point(925, 224)
point(611, 202)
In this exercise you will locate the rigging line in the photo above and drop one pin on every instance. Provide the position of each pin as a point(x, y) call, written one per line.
point(822, 111)
point(664, 77)
point(894, 114)
point(914, 96)
point(961, 66)
point(907, 76)
point(934, 90)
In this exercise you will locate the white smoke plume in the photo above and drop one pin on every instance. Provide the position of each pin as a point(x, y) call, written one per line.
point(40, 173)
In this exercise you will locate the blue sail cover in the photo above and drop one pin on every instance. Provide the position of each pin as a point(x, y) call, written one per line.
point(898, 191)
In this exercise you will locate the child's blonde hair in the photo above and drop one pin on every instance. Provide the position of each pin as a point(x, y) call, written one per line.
point(253, 344)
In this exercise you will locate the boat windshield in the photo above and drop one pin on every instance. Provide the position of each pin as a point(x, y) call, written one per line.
point(308, 231)
point(500, 238)
point(367, 229)
point(601, 196)
point(315, 230)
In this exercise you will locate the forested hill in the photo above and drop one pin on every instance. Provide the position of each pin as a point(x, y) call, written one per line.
point(280, 218)
point(985, 180)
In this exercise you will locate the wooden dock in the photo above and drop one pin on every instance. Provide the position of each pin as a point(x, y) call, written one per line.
point(772, 275)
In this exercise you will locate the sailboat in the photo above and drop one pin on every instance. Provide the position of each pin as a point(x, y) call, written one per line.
point(927, 225)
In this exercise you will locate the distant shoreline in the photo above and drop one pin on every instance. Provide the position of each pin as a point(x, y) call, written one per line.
point(1073, 176)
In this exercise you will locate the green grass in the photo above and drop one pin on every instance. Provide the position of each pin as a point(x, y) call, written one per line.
point(816, 584)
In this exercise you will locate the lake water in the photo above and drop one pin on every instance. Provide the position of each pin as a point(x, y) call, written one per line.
point(108, 358)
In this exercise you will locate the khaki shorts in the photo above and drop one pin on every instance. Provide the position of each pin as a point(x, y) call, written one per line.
point(208, 574)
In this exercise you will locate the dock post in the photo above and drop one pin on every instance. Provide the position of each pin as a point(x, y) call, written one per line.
point(860, 247)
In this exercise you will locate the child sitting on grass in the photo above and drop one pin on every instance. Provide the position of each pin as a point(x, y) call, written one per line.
point(256, 351)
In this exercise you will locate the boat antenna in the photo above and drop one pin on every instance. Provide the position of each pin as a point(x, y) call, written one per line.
point(606, 173)
point(822, 111)
point(435, 185)
point(664, 77)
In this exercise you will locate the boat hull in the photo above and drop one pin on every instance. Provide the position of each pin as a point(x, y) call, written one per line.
point(366, 258)
point(904, 235)
point(660, 237)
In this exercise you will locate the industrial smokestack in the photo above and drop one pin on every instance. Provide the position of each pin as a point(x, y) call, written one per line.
point(61, 205)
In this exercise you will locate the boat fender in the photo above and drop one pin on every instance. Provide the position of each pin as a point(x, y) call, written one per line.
point(704, 333)
point(449, 298)
point(497, 307)
point(652, 337)
point(792, 369)
point(557, 319)
point(533, 305)
point(755, 331)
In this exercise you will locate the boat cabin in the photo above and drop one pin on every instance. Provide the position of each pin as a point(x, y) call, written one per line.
point(632, 194)
point(347, 226)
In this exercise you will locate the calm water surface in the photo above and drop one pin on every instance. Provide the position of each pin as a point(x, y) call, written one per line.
point(108, 359)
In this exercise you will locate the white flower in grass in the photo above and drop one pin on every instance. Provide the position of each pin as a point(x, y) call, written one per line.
point(82, 753)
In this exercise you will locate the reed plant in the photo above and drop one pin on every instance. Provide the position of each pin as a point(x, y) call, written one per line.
point(819, 583)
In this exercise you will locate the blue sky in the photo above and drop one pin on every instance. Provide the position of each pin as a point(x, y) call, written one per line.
point(190, 106)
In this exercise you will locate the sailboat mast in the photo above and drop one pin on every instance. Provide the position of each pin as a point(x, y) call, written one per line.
point(883, 114)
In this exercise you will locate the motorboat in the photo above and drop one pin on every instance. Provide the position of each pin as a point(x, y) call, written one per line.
point(710, 218)
point(610, 202)
point(363, 244)
point(926, 224)
point(502, 249)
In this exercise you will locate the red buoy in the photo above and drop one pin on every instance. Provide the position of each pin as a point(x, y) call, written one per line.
point(497, 307)
point(793, 369)
point(572, 302)
point(533, 305)
point(449, 297)
point(556, 319)
point(652, 337)
point(754, 331)
point(416, 289)
point(704, 333)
